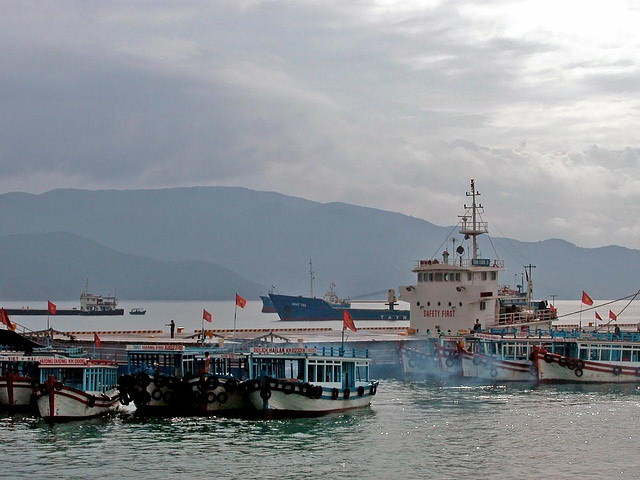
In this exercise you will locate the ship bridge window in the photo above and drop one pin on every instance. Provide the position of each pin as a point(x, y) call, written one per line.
point(605, 353)
point(493, 275)
point(469, 276)
point(626, 355)
point(419, 277)
point(457, 277)
point(431, 277)
point(438, 277)
point(483, 305)
point(484, 276)
point(636, 355)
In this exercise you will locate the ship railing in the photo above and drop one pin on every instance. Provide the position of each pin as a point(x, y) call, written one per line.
point(468, 227)
point(342, 352)
point(565, 334)
point(526, 317)
point(462, 262)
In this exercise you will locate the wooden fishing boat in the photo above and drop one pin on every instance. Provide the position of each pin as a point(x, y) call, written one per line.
point(76, 388)
point(308, 381)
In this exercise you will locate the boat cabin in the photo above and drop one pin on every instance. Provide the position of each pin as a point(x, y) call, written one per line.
point(328, 367)
point(82, 374)
point(511, 347)
point(181, 361)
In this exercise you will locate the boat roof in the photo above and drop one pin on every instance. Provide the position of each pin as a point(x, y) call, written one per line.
point(307, 352)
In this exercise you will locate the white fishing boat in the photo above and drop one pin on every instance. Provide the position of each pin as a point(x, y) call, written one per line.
point(506, 357)
point(76, 388)
point(592, 358)
point(460, 293)
point(308, 381)
point(182, 380)
point(19, 375)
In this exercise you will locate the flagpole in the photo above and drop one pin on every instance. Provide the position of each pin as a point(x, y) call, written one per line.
point(342, 353)
point(202, 330)
point(48, 330)
point(235, 316)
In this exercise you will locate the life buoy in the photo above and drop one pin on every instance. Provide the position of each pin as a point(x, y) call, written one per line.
point(222, 398)
point(617, 370)
point(346, 394)
point(360, 391)
point(156, 394)
point(548, 358)
point(578, 372)
point(211, 397)
point(288, 388)
point(334, 393)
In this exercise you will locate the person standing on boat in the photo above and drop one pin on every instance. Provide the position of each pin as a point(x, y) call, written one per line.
point(172, 326)
point(477, 327)
point(207, 363)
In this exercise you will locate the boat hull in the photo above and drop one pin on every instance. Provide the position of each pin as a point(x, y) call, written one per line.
point(197, 395)
point(15, 391)
point(61, 312)
point(441, 361)
point(278, 403)
point(290, 308)
point(63, 404)
point(553, 368)
point(494, 369)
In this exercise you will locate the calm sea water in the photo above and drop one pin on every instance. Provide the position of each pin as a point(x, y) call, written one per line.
point(414, 429)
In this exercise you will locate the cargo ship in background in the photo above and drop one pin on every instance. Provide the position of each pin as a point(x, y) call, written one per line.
point(89, 305)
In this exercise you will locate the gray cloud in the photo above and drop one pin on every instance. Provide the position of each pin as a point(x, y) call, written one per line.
point(389, 106)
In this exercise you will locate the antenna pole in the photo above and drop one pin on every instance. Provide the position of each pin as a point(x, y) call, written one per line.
point(529, 284)
point(310, 278)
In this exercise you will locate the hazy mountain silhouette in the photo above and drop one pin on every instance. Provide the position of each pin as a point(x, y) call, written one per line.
point(268, 238)
point(56, 266)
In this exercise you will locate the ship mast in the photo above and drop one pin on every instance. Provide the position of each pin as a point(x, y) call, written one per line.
point(477, 227)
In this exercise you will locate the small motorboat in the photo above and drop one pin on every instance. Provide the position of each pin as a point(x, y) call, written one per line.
point(137, 311)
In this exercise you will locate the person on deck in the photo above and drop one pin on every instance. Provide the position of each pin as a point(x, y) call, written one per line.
point(172, 326)
point(616, 331)
point(477, 327)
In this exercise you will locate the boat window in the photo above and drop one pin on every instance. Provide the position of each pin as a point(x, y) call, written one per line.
point(438, 277)
point(583, 353)
point(615, 354)
point(457, 277)
point(446, 276)
point(483, 305)
point(635, 357)
point(484, 276)
point(605, 353)
point(469, 276)
point(311, 373)
point(493, 275)
point(626, 355)
point(362, 373)
point(338, 373)
point(320, 373)
point(329, 374)
point(593, 353)
point(431, 277)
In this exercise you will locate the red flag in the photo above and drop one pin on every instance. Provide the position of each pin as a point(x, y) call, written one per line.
point(612, 316)
point(241, 302)
point(598, 317)
point(4, 319)
point(206, 316)
point(347, 321)
point(586, 299)
point(96, 340)
point(552, 308)
point(51, 307)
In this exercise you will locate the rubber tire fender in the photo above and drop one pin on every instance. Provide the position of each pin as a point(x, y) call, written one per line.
point(335, 393)
point(265, 394)
point(211, 397)
point(617, 370)
point(231, 385)
point(156, 394)
point(58, 385)
point(347, 393)
point(578, 372)
point(288, 388)
point(548, 358)
point(374, 389)
point(360, 391)
point(213, 382)
point(222, 398)
point(563, 362)
point(449, 362)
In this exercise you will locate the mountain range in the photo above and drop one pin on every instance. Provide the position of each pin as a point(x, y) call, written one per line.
point(260, 238)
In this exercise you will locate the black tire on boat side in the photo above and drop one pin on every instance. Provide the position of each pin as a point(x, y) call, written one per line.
point(167, 396)
point(617, 370)
point(288, 388)
point(230, 385)
point(305, 388)
point(334, 393)
point(374, 389)
point(265, 394)
point(156, 394)
point(213, 382)
point(578, 372)
point(143, 379)
point(211, 397)
point(58, 385)
point(346, 394)
point(360, 391)
point(158, 381)
point(548, 358)
point(91, 401)
point(449, 362)
point(318, 392)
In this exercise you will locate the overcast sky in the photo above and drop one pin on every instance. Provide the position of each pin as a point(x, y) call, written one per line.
point(389, 104)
